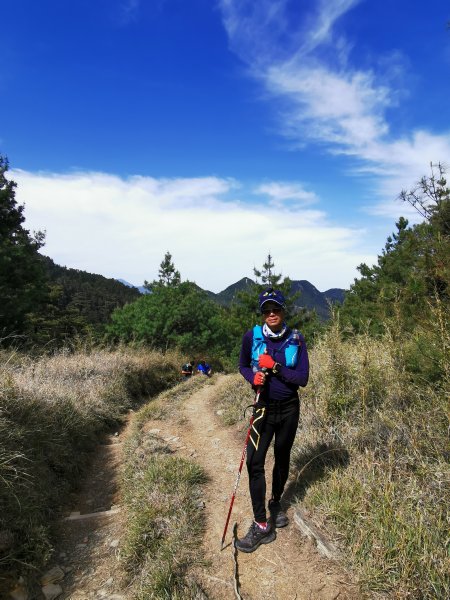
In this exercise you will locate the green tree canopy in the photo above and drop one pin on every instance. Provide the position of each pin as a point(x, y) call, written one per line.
point(182, 317)
point(413, 270)
point(407, 291)
point(22, 279)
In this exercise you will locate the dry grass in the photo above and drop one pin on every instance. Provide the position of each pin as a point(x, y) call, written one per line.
point(233, 398)
point(383, 478)
point(371, 461)
point(167, 403)
point(52, 411)
point(161, 492)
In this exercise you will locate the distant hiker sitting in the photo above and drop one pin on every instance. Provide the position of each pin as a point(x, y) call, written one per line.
point(187, 370)
point(203, 368)
point(274, 359)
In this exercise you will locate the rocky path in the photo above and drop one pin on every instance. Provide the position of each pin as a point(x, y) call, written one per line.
point(287, 569)
point(85, 565)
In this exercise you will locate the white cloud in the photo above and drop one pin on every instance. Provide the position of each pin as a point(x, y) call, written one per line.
point(290, 193)
point(122, 228)
point(321, 98)
point(320, 26)
point(344, 109)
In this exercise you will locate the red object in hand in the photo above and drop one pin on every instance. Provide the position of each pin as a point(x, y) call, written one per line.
point(259, 378)
point(265, 361)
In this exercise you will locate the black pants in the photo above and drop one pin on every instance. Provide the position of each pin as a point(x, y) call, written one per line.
point(281, 421)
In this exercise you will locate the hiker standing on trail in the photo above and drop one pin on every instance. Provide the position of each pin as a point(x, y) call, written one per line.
point(187, 369)
point(274, 359)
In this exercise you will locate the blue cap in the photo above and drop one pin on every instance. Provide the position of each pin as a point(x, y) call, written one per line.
point(271, 295)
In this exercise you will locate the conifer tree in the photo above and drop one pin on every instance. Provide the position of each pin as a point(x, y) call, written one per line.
point(22, 279)
point(245, 308)
point(168, 276)
point(413, 271)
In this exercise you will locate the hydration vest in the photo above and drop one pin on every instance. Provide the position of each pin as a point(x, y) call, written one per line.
point(290, 345)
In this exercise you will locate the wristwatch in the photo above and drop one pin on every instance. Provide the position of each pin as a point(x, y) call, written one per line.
point(276, 367)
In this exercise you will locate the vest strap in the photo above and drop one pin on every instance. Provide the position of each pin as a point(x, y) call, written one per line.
point(291, 347)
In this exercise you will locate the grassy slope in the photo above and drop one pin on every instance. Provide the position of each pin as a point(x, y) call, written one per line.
point(161, 493)
point(370, 461)
point(383, 487)
point(52, 411)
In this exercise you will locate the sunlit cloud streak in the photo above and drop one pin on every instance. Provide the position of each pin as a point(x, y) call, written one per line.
point(291, 194)
point(320, 98)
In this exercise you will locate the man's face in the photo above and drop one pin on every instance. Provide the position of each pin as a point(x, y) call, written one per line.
point(273, 315)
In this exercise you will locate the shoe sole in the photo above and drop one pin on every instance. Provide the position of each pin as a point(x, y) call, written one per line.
point(265, 540)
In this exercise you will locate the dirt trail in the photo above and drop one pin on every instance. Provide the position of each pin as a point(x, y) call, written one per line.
point(287, 569)
point(89, 541)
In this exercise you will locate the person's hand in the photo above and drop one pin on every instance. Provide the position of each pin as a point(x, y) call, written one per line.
point(259, 378)
point(265, 361)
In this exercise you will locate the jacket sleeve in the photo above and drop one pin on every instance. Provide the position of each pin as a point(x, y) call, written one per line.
point(299, 375)
point(245, 357)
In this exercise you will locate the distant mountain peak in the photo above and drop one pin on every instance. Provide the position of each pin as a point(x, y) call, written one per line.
point(126, 283)
point(140, 288)
point(309, 296)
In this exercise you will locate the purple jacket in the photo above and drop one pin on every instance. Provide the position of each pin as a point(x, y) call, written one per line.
point(283, 385)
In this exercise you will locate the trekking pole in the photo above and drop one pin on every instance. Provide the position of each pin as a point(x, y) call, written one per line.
point(244, 452)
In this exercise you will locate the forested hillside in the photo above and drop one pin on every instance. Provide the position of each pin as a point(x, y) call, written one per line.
point(43, 304)
point(86, 299)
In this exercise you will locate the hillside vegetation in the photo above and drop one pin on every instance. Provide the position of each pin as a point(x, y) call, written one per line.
point(371, 462)
point(52, 411)
point(80, 302)
point(380, 444)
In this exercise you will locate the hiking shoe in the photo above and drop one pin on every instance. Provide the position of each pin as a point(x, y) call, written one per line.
point(279, 517)
point(255, 537)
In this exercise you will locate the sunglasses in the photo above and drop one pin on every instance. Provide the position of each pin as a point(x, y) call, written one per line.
point(267, 311)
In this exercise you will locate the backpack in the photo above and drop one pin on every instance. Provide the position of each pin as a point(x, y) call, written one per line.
point(290, 345)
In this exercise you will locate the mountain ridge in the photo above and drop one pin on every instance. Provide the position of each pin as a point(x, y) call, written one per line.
point(309, 296)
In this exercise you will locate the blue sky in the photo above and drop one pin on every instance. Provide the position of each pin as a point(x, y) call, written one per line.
point(221, 130)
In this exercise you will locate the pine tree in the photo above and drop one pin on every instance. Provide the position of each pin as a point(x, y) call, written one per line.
point(267, 277)
point(22, 280)
point(413, 271)
point(168, 276)
point(245, 309)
